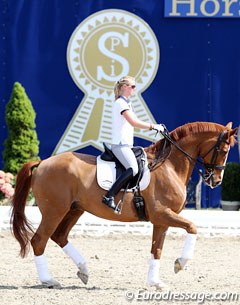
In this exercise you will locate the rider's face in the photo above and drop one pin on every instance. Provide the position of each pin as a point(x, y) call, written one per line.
point(128, 90)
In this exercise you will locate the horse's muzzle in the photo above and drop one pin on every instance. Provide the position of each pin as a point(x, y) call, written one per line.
point(211, 179)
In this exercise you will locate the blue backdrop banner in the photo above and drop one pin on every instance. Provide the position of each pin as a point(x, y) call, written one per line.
point(68, 54)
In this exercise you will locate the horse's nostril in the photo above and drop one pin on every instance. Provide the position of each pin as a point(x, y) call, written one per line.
point(217, 182)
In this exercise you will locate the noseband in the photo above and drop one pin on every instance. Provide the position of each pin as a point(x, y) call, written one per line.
point(208, 167)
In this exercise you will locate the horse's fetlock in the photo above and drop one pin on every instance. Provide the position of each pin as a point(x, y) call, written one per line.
point(192, 229)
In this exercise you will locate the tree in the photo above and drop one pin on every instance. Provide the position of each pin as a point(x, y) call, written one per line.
point(22, 144)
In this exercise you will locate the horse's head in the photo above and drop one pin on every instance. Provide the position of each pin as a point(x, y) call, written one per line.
point(207, 140)
point(214, 153)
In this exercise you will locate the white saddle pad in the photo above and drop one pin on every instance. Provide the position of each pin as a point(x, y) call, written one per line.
point(106, 174)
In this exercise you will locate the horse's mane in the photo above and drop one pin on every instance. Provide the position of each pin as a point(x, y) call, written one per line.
point(195, 127)
point(185, 130)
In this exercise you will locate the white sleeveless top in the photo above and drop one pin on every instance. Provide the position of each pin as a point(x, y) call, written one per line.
point(122, 131)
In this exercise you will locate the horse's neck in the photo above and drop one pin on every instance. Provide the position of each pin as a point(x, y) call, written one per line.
point(181, 163)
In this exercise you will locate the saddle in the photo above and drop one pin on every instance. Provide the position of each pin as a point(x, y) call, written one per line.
point(109, 169)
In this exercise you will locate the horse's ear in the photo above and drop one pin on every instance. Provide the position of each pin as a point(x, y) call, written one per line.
point(233, 136)
point(229, 125)
point(233, 131)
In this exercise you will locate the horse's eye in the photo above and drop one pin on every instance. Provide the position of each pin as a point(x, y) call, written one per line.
point(224, 152)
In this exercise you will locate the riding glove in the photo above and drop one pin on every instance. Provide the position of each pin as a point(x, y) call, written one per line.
point(158, 127)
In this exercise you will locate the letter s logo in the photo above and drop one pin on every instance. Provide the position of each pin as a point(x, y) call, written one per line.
point(115, 39)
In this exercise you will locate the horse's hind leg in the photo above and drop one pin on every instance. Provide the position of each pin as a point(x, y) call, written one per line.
point(60, 236)
point(46, 228)
point(158, 238)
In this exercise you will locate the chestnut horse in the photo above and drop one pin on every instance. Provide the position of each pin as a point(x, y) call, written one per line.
point(65, 186)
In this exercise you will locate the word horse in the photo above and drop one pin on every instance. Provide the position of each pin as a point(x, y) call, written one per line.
point(65, 186)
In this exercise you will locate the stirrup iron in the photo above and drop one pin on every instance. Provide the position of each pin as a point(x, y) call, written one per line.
point(109, 201)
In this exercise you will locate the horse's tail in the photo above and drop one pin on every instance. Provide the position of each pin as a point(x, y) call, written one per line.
point(20, 226)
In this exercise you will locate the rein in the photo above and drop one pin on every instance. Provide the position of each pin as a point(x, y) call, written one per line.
point(209, 167)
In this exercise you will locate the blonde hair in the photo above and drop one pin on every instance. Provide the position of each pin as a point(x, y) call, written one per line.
point(125, 80)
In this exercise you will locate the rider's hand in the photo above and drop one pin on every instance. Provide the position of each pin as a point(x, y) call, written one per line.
point(158, 127)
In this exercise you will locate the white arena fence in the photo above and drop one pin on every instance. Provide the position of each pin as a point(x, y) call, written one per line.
point(209, 223)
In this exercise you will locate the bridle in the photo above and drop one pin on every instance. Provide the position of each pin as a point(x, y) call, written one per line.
point(208, 167)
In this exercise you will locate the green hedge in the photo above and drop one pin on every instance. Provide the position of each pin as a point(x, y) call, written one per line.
point(22, 144)
point(231, 182)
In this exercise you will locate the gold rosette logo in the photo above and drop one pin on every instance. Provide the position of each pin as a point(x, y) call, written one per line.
point(103, 48)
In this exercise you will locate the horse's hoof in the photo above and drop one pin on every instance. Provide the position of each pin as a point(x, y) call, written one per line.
point(160, 285)
point(179, 264)
point(51, 284)
point(83, 273)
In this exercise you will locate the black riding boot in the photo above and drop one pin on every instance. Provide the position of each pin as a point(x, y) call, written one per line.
point(116, 187)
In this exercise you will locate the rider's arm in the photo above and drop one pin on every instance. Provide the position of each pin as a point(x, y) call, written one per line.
point(134, 121)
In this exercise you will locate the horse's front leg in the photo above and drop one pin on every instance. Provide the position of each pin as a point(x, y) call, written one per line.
point(168, 218)
point(187, 252)
point(158, 237)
